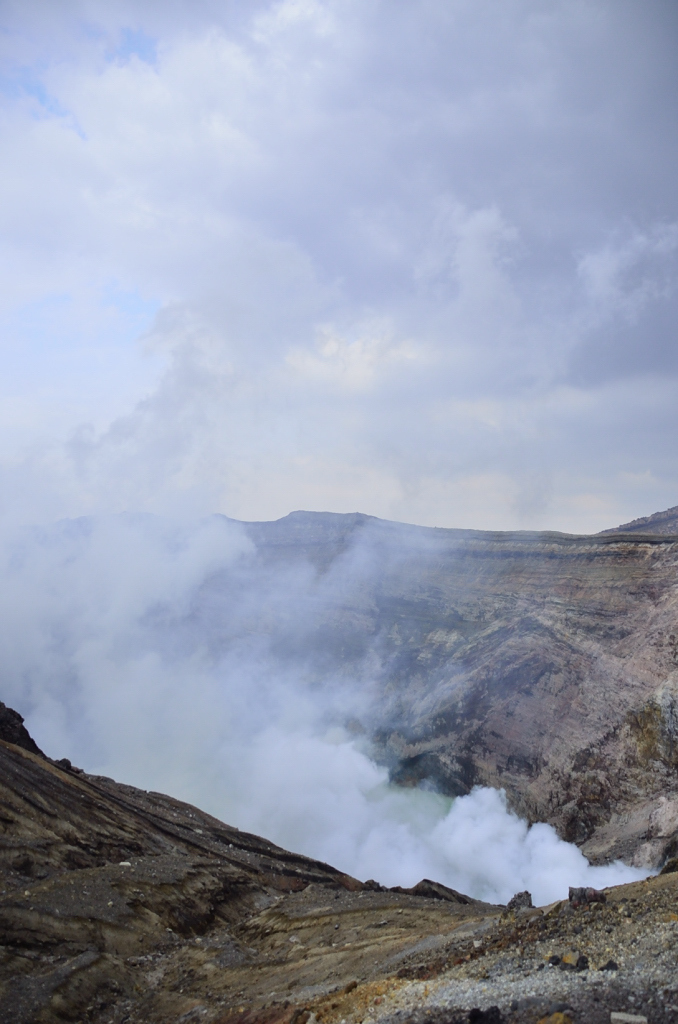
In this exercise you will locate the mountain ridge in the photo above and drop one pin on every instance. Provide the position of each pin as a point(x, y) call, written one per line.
point(541, 663)
point(665, 522)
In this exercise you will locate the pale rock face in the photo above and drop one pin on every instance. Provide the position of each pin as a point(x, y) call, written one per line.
point(664, 818)
point(662, 826)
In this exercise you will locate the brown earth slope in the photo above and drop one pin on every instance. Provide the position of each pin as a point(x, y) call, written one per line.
point(546, 664)
point(127, 907)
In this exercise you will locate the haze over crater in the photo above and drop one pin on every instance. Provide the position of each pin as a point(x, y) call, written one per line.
point(280, 674)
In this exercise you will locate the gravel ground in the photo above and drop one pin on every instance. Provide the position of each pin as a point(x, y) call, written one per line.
point(525, 966)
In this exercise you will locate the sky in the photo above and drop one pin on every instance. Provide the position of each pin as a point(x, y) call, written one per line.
point(414, 258)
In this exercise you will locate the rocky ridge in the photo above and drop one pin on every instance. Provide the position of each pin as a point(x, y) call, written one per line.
point(659, 523)
point(127, 907)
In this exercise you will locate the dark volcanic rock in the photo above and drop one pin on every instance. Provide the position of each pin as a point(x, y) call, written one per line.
point(492, 1015)
point(583, 896)
point(13, 730)
point(433, 890)
point(521, 899)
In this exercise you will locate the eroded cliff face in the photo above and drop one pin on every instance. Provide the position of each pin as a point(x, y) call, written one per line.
point(544, 664)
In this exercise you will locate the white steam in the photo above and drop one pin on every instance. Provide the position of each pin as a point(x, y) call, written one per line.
point(322, 796)
point(164, 655)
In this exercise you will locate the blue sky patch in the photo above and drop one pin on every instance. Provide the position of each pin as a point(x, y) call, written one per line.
point(135, 43)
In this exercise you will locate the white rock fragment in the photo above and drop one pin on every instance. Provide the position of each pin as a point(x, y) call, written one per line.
point(627, 1018)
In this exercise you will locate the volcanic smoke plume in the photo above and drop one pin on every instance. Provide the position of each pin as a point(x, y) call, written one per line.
point(174, 657)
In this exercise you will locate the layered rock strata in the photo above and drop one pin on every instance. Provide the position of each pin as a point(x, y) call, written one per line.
point(544, 664)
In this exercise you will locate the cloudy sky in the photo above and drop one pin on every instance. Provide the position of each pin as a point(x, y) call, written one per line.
point(416, 258)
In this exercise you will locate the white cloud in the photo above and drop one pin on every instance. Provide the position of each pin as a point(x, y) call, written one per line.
point(286, 15)
point(624, 276)
point(352, 363)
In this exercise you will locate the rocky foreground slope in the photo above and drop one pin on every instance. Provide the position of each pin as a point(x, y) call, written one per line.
point(122, 906)
point(543, 663)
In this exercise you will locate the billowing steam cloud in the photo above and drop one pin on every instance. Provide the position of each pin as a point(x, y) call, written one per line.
point(169, 656)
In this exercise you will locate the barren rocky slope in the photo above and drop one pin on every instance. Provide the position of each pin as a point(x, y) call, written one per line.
point(127, 907)
point(546, 664)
